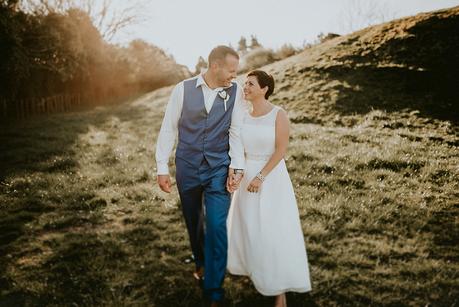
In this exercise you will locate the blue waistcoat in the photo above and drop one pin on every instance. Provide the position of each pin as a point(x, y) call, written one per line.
point(201, 135)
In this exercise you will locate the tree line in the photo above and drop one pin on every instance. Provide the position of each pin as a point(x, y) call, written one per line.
point(44, 54)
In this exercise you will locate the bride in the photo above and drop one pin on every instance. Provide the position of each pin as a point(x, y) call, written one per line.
point(265, 237)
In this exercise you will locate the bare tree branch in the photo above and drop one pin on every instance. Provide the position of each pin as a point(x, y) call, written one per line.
point(107, 15)
point(103, 13)
point(359, 14)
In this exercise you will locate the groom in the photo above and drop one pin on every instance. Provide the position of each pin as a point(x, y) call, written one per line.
point(206, 111)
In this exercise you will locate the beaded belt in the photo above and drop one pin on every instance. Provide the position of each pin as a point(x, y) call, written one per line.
point(257, 157)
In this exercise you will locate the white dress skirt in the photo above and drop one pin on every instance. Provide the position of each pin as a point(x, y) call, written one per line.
point(265, 238)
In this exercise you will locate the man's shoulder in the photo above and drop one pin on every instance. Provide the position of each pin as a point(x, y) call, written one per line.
point(181, 84)
point(190, 79)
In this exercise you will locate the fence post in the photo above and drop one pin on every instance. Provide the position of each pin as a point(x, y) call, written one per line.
point(17, 112)
point(4, 109)
point(39, 111)
point(66, 102)
point(59, 103)
point(29, 107)
point(45, 105)
point(36, 106)
point(49, 103)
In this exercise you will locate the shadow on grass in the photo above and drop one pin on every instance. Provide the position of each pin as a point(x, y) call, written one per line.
point(30, 152)
point(393, 89)
point(418, 71)
point(44, 144)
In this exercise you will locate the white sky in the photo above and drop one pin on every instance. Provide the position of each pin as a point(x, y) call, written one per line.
point(188, 29)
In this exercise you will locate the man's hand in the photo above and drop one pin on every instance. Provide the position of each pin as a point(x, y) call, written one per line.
point(229, 184)
point(164, 182)
point(233, 181)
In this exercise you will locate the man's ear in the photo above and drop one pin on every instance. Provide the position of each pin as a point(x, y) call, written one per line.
point(214, 65)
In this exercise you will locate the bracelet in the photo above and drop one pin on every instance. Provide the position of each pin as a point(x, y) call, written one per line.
point(261, 177)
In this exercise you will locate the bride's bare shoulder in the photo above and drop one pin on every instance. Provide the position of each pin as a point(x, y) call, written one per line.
point(281, 116)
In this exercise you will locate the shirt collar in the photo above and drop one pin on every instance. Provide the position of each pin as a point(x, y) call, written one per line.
point(200, 81)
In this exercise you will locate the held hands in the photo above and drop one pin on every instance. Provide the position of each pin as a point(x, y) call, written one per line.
point(233, 181)
point(164, 182)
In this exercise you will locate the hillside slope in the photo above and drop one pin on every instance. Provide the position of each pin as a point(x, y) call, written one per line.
point(409, 64)
point(373, 159)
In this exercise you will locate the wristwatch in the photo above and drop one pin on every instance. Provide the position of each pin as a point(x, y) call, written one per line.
point(238, 171)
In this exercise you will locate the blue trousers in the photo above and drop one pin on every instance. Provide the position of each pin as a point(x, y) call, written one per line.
point(198, 188)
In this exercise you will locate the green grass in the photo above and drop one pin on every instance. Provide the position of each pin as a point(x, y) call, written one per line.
point(82, 221)
point(373, 158)
point(381, 212)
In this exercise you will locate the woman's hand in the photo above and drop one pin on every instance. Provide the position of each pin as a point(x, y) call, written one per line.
point(233, 181)
point(254, 185)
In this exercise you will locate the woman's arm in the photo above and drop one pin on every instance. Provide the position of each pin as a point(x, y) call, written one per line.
point(282, 137)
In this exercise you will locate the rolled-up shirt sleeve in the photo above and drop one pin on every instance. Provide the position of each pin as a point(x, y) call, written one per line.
point(236, 151)
point(168, 132)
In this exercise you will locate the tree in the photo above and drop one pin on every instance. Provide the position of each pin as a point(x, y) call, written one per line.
point(202, 64)
point(256, 58)
point(108, 19)
point(56, 53)
point(151, 67)
point(254, 42)
point(242, 45)
point(360, 14)
point(14, 60)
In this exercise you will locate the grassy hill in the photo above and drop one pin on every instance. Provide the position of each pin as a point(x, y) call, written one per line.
point(373, 157)
point(410, 64)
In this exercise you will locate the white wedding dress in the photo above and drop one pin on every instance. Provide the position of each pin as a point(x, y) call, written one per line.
point(265, 238)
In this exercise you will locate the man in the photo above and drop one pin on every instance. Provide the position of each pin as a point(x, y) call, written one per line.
point(207, 112)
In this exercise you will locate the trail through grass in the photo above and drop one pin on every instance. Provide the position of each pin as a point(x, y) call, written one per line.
point(82, 221)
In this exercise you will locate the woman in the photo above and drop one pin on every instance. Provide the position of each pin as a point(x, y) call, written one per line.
point(265, 237)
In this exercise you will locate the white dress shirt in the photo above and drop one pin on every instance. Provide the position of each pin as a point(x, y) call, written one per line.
point(169, 128)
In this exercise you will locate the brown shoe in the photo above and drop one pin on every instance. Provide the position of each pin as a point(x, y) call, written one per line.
point(198, 276)
point(199, 273)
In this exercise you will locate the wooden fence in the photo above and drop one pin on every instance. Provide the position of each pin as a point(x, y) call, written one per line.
point(11, 110)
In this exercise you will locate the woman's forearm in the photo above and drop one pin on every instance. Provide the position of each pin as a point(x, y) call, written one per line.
point(277, 156)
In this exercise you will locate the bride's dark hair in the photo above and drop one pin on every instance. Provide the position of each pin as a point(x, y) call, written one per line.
point(264, 79)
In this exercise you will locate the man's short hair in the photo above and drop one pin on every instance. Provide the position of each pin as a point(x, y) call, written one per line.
point(220, 53)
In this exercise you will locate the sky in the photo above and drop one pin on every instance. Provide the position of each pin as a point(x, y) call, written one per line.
point(187, 29)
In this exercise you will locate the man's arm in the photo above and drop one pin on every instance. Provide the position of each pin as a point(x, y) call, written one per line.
point(167, 136)
point(236, 151)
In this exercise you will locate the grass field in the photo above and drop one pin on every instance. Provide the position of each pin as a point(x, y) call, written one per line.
point(82, 221)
